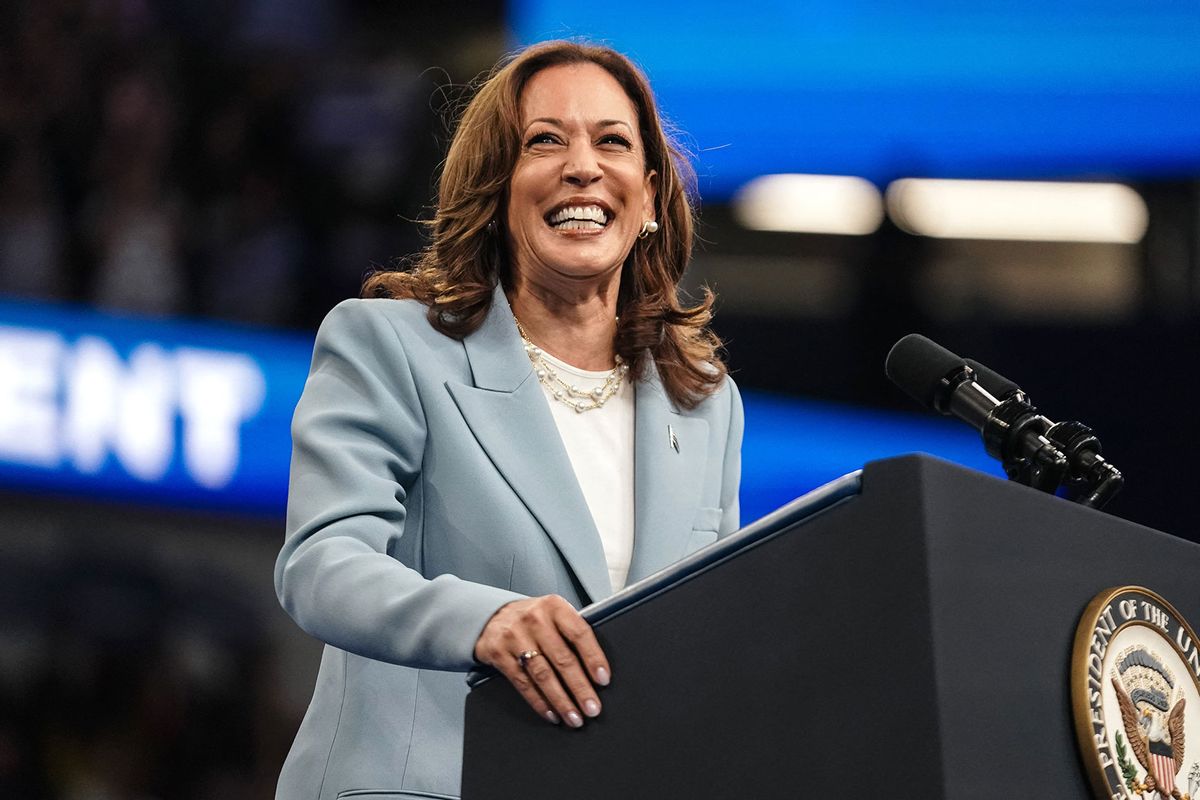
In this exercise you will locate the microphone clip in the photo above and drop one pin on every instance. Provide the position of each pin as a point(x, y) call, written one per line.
point(1012, 430)
point(1092, 480)
point(1018, 436)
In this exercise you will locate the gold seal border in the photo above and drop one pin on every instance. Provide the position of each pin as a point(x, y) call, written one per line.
point(1080, 707)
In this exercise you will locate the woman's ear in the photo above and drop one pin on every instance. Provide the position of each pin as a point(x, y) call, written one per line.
point(651, 191)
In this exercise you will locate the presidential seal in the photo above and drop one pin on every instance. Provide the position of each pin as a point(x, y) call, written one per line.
point(1135, 691)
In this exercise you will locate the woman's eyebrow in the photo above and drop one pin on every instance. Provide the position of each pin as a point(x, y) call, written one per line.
point(608, 123)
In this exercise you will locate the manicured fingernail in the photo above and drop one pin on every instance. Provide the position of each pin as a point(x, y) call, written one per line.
point(602, 676)
point(550, 715)
point(574, 720)
point(591, 708)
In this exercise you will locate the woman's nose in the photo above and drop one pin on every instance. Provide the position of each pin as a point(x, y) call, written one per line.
point(581, 167)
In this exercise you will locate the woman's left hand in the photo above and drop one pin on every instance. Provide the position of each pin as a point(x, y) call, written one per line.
point(549, 654)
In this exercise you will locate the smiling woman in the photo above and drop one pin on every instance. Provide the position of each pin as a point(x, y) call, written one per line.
point(469, 254)
point(522, 422)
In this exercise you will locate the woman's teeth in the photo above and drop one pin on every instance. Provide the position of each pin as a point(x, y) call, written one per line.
point(577, 218)
point(579, 225)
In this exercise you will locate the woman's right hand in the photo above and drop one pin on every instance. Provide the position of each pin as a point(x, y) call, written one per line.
point(557, 682)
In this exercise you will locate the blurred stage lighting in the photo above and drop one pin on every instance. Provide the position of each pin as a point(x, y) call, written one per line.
point(1018, 210)
point(836, 204)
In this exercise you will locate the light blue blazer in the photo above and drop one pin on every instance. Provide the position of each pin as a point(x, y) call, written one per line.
point(429, 487)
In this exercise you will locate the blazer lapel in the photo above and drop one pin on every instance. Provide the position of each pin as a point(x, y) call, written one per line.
point(507, 413)
point(670, 455)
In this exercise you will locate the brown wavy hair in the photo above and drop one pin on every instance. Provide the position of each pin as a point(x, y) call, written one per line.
point(456, 273)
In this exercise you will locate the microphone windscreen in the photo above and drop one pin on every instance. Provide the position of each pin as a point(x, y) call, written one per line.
point(996, 384)
point(917, 365)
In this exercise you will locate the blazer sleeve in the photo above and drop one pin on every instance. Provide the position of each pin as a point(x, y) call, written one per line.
point(358, 437)
point(731, 476)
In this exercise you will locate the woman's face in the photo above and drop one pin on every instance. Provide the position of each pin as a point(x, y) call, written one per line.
point(580, 191)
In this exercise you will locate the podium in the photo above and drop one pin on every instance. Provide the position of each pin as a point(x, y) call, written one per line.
point(905, 631)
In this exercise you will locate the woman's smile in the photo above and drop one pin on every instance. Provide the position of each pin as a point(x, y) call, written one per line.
point(579, 215)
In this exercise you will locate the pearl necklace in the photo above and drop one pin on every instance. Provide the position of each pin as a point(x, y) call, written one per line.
point(579, 399)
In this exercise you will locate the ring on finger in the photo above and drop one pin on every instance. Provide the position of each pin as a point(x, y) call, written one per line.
point(524, 658)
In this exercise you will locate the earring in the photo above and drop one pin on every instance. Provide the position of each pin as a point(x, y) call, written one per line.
point(492, 227)
point(648, 227)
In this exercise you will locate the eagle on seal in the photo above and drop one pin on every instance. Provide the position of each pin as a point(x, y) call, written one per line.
point(1156, 739)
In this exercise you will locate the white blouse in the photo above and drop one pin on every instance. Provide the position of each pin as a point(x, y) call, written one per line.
point(600, 445)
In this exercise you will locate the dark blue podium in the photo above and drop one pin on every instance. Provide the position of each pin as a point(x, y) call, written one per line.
point(906, 630)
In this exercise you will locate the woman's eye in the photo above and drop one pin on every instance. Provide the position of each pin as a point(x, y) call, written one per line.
point(614, 138)
point(540, 138)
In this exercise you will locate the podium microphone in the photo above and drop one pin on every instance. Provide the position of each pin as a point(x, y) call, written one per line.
point(942, 381)
point(1032, 449)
